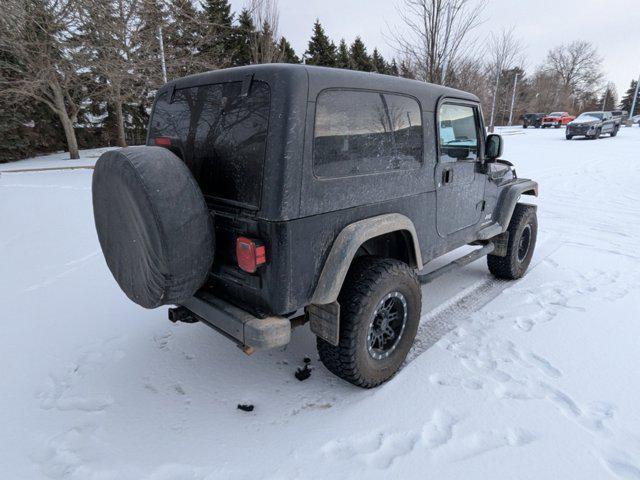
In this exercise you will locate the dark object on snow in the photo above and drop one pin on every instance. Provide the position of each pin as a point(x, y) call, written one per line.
point(532, 120)
point(331, 190)
point(153, 225)
point(306, 360)
point(303, 373)
point(245, 408)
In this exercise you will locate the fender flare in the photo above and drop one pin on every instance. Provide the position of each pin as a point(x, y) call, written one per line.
point(347, 244)
point(510, 196)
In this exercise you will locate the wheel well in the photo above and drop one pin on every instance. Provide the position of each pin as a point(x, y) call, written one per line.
point(397, 245)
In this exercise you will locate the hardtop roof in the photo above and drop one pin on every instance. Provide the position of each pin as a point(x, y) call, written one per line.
point(273, 72)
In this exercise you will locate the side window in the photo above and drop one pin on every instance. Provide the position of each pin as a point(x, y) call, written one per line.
point(458, 128)
point(406, 123)
point(359, 132)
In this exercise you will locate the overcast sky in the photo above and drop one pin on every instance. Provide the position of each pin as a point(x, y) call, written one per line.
point(612, 25)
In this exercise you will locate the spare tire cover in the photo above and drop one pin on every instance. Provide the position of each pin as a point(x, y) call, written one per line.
point(153, 224)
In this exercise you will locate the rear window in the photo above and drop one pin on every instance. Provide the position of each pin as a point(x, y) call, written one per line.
point(221, 136)
point(360, 132)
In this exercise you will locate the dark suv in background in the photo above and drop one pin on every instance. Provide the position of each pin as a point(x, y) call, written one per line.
point(273, 195)
point(532, 120)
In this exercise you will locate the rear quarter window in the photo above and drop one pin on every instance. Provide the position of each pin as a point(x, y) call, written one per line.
point(362, 132)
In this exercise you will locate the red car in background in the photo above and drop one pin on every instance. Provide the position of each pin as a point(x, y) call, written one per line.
point(556, 119)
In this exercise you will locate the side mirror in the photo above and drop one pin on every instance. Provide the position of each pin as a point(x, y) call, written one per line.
point(493, 147)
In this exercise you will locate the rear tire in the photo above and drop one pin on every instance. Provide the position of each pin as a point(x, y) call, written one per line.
point(568, 137)
point(523, 231)
point(380, 304)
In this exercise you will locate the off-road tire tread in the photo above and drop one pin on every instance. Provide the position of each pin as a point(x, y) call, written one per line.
point(357, 291)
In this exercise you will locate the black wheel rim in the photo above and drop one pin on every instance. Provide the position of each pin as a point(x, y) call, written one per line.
point(387, 325)
point(524, 243)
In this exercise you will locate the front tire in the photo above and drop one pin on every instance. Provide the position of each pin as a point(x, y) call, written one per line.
point(568, 137)
point(523, 231)
point(614, 132)
point(380, 304)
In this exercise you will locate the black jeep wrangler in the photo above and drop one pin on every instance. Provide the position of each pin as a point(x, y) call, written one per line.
point(272, 195)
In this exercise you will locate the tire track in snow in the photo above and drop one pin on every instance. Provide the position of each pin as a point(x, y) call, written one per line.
point(446, 317)
point(72, 265)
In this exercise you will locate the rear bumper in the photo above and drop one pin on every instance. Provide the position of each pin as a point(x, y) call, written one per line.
point(237, 324)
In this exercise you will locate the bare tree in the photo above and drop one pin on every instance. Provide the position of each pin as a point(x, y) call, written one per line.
point(577, 66)
point(39, 35)
point(264, 42)
point(469, 74)
point(547, 93)
point(505, 51)
point(433, 34)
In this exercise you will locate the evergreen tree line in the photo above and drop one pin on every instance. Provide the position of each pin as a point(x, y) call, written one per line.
point(83, 73)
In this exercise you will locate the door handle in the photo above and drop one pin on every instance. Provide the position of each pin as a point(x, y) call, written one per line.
point(447, 176)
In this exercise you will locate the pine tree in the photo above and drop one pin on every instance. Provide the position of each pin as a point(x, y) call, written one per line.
point(393, 68)
point(609, 97)
point(183, 37)
point(264, 48)
point(627, 100)
point(378, 62)
point(217, 35)
point(360, 60)
point(321, 50)
point(242, 38)
point(218, 12)
point(151, 17)
point(342, 57)
point(287, 53)
point(406, 71)
point(13, 143)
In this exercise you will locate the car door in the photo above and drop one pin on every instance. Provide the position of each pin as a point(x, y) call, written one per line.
point(459, 180)
point(607, 123)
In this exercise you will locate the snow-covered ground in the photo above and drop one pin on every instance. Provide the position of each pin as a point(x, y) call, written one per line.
point(536, 379)
point(88, 158)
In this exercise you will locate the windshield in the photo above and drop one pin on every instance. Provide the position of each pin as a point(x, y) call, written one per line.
point(591, 116)
point(220, 134)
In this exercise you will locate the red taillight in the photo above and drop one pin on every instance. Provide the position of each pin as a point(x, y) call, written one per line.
point(250, 254)
point(163, 141)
